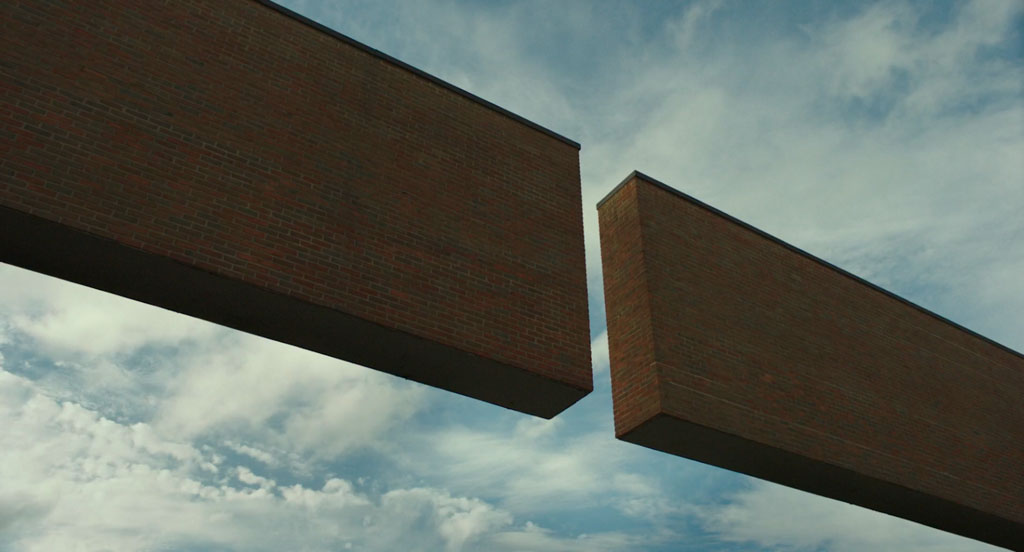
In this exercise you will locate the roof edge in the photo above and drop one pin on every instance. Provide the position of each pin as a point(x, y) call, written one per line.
point(418, 72)
point(615, 190)
point(657, 183)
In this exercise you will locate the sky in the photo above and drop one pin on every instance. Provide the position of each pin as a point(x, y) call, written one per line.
point(884, 137)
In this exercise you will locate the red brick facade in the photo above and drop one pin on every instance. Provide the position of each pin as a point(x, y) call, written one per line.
point(732, 348)
point(230, 160)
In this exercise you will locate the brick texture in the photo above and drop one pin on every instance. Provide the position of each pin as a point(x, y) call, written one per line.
point(286, 171)
point(733, 348)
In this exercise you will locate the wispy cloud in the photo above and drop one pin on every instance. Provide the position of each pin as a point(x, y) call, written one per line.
point(76, 480)
point(773, 517)
point(242, 386)
point(535, 467)
point(68, 319)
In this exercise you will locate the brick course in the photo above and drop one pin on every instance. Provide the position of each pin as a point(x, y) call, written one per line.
point(242, 148)
point(732, 348)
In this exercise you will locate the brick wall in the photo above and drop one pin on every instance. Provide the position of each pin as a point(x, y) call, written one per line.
point(234, 147)
point(733, 348)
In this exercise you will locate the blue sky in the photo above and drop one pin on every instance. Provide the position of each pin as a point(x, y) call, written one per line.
point(883, 137)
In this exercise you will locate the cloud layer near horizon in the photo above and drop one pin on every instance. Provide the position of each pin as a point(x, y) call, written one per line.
point(207, 439)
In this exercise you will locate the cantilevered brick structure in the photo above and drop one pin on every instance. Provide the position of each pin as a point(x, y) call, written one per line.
point(234, 161)
point(733, 348)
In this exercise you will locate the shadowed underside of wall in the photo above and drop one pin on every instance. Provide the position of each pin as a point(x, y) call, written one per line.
point(233, 161)
point(733, 348)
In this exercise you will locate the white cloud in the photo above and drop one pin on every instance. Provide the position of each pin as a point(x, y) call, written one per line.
point(535, 468)
point(70, 319)
point(537, 539)
point(599, 354)
point(200, 380)
point(260, 455)
point(73, 480)
point(776, 517)
point(458, 520)
point(335, 492)
point(245, 475)
point(287, 398)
